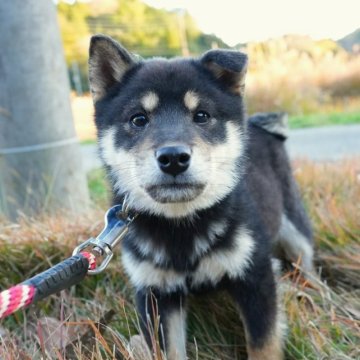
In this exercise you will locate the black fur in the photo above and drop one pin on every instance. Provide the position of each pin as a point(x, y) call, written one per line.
point(263, 196)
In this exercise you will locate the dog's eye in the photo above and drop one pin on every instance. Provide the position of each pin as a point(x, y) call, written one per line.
point(201, 117)
point(139, 120)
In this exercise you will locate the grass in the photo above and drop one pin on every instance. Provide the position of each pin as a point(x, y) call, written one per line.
point(98, 187)
point(95, 319)
point(335, 118)
point(88, 142)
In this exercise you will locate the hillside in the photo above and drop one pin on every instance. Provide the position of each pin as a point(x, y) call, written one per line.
point(351, 42)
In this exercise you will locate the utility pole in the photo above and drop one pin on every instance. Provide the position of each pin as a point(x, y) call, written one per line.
point(182, 32)
point(40, 159)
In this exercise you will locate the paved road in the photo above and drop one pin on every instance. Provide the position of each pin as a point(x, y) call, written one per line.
point(320, 144)
point(325, 143)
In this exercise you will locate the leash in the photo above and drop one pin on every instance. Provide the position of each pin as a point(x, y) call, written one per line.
point(72, 270)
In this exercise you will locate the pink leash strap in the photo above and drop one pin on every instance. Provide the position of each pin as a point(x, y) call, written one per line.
point(59, 277)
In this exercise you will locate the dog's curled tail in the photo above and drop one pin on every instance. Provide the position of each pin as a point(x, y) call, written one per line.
point(273, 122)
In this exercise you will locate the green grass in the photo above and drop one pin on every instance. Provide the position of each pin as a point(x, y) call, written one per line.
point(88, 142)
point(313, 120)
point(98, 188)
point(323, 316)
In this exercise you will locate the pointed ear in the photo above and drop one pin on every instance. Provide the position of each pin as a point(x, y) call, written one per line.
point(108, 62)
point(227, 66)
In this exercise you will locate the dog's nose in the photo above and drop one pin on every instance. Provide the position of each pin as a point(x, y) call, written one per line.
point(173, 160)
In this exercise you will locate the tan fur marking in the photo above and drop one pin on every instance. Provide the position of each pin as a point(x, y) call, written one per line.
point(150, 101)
point(191, 100)
point(238, 87)
point(272, 350)
point(273, 347)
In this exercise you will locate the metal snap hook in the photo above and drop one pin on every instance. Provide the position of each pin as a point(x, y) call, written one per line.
point(117, 220)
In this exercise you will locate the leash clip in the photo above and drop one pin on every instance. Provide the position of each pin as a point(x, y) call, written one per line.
point(117, 221)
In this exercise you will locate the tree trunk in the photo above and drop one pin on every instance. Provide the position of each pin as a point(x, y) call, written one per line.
point(40, 159)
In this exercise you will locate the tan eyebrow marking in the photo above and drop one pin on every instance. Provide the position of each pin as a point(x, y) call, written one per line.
point(191, 100)
point(150, 101)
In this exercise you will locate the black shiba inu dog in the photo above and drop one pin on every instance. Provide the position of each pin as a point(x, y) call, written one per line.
point(213, 190)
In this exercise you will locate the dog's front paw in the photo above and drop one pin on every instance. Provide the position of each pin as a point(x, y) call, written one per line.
point(139, 348)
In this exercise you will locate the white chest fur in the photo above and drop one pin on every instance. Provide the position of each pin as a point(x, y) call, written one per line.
point(212, 267)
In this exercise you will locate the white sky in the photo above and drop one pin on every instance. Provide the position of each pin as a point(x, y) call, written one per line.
point(238, 21)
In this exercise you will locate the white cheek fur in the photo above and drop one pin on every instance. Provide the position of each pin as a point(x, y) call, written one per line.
point(220, 172)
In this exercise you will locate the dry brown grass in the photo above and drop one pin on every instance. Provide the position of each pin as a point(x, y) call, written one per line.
point(301, 76)
point(323, 315)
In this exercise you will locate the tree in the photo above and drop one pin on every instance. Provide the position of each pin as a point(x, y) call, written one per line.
point(142, 29)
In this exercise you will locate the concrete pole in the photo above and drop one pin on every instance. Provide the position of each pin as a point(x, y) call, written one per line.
point(40, 160)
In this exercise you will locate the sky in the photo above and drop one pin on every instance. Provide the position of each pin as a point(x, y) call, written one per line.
point(238, 21)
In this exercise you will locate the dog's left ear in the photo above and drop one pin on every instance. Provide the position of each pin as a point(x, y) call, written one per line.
point(229, 67)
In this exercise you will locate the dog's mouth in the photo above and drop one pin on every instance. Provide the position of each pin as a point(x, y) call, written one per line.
point(175, 192)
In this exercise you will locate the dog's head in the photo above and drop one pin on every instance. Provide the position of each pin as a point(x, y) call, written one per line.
point(171, 132)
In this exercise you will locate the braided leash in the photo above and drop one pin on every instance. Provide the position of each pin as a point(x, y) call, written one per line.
point(72, 270)
point(15, 298)
point(59, 277)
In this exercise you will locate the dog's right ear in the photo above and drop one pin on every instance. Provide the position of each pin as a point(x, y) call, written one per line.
point(228, 67)
point(108, 62)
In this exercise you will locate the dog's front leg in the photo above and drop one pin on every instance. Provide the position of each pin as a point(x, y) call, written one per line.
point(259, 311)
point(165, 314)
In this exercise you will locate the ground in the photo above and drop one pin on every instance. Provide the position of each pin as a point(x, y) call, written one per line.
point(323, 315)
